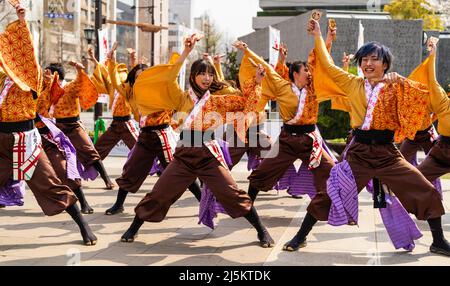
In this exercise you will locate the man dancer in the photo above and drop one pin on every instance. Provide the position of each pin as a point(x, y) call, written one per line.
point(66, 110)
point(383, 109)
point(21, 156)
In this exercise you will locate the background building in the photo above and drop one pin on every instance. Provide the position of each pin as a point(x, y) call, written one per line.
point(405, 38)
point(276, 11)
point(58, 28)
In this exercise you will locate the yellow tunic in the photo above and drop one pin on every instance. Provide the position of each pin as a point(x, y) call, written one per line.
point(124, 103)
point(102, 80)
point(219, 72)
point(400, 107)
point(157, 90)
point(440, 102)
point(277, 86)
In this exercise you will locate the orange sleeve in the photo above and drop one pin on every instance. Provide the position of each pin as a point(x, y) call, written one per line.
point(84, 88)
point(282, 70)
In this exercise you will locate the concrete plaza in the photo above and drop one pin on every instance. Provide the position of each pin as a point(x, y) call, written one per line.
point(27, 237)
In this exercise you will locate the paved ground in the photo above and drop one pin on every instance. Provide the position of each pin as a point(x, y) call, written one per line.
point(27, 237)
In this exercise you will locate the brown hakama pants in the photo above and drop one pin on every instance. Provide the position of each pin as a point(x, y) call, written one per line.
point(52, 196)
point(138, 166)
point(190, 163)
point(437, 163)
point(384, 161)
point(422, 141)
point(117, 131)
point(286, 151)
point(86, 153)
point(258, 141)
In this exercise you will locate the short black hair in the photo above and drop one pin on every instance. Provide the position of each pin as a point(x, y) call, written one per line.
point(131, 78)
point(57, 67)
point(296, 67)
point(378, 49)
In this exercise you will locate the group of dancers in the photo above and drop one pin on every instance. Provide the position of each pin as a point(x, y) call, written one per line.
point(44, 144)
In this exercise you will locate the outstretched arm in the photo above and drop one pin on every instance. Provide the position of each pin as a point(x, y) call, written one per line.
point(92, 57)
point(281, 67)
point(349, 83)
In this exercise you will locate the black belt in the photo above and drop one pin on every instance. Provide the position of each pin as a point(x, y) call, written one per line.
point(68, 120)
point(373, 136)
point(422, 132)
point(44, 130)
point(298, 129)
point(149, 129)
point(37, 118)
point(22, 126)
point(444, 139)
point(195, 138)
point(122, 118)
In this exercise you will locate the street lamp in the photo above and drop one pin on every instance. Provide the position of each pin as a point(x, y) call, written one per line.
point(89, 35)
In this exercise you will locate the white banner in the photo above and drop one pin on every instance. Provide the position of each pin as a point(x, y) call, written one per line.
point(274, 42)
point(103, 98)
point(360, 44)
point(104, 44)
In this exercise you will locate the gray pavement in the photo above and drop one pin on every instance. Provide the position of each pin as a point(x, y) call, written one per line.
point(27, 237)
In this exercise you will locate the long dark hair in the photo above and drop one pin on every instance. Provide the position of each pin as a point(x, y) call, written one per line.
point(199, 67)
point(378, 49)
point(296, 67)
point(131, 78)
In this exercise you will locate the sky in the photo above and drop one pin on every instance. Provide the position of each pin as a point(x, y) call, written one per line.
point(232, 17)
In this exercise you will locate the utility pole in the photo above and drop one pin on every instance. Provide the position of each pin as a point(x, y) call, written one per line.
point(98, 110)
point(152, 60)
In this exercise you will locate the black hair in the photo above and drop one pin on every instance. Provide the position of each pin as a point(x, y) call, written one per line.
point(131, 78)
point(296, 67)
point(200, 66)
point(381, 51)
point(57, 67)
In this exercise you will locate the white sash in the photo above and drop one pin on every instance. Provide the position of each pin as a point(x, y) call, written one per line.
point(372, 98)
point(116, 95)
point(198, 106)
point(434, 135)
point(167, 142)
point(132, 128)
point(6, 87)
point(26, 151)
point(301, 103)
point(317, 150)
point(214, 147)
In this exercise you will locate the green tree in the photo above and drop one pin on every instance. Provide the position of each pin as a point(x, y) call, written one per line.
point(333, 124)
point(210, 44)
point(415, 9)
point(231, 70)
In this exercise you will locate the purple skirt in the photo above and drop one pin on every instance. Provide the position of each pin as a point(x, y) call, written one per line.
point(12, 193)
point(209, 205)
point(300, 182)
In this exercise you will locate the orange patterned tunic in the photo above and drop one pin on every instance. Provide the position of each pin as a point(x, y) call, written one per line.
point(17, 61)
point(400, 107)
point(18, 105)
point(79, 93)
